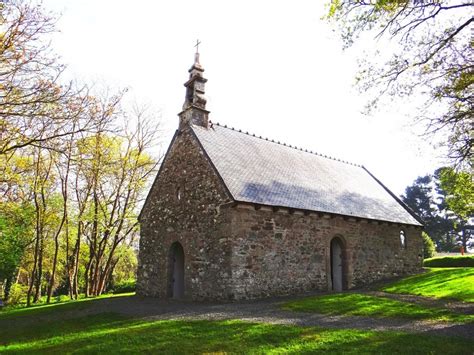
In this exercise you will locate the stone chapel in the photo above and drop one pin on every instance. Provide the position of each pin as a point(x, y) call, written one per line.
point(232, 216)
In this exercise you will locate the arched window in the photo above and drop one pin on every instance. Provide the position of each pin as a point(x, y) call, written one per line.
point(403, 240)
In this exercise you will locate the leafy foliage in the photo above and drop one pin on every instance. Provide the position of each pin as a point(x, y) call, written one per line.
point(37, 107)
point(65, 161)
point(459, 187)
point(16, 233)
point(430, 48)
point(428, 246)
point(17, 294)
point(126, 268)
point(124, 286)
point(431, 196)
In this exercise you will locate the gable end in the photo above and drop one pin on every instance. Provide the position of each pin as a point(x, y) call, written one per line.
point(184, 154)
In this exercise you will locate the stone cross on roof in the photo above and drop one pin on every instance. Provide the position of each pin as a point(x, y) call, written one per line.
point(196, 55)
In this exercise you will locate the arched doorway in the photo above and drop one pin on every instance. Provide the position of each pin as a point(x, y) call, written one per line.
point(176, 271)
point(337, 264)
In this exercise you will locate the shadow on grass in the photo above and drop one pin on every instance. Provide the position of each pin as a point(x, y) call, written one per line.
point(57, 307)
point(112, 334)
point(449, 283)
point(354, 304)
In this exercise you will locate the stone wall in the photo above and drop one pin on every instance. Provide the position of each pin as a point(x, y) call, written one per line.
point(196, 219)
point(278, 253)
point(238, 252)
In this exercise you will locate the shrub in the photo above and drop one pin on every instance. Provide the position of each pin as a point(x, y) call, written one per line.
point(17, 294)
point(124, 286)
point(428, 246)
point(450, 261)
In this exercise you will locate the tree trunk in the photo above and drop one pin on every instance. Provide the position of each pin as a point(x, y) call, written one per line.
point(56, 250)
point(93, 246)
point(87, 276)
point(105, 273)
point(9, 283)
point(35, 260)
point(6, 290)
point(93, 277)
point(37, 231)
point(77, 249)
point(464, 238)
point(42, 222)
point(68, 263)
point(39, 273)
point(53, 272)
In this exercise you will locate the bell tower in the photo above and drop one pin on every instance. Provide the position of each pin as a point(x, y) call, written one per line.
point(194, 107)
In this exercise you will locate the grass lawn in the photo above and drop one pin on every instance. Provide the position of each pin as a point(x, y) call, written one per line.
point(355, 304)
point(112, 333)
point(454, 283)
point(54, 307)
point(65, 327)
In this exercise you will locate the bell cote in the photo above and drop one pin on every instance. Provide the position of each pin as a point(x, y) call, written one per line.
point(194, 107)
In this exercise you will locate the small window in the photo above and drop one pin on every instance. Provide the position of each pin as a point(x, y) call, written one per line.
point(403, 240)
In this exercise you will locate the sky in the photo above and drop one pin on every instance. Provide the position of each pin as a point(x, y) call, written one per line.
point(274, 68)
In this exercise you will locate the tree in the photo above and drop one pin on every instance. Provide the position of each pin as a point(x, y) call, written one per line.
point(63, 167)
point(428, 246)
point(444, 201)
point(35, 106)
point(83, 198)
point(115, 171)
point(62, 154)
point(15, 234)
point(428, 203)
point(431, 54)
point(459, 189)
point(43, 192)
point(103, 110)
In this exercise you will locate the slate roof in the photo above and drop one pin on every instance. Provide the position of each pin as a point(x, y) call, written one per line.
point(257, 170)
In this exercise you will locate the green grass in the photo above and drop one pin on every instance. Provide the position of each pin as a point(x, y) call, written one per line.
point(54, 307)
point(355, 304)
point(65, 327)
point(65, 299)
point(111, 333)
point(451, 283)
point(450, 261)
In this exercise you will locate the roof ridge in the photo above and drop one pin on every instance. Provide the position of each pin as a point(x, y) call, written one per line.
point(287, 145)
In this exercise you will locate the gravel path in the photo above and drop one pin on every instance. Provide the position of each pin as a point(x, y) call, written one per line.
point(267, 311)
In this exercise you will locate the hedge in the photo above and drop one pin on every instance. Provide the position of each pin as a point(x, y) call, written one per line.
point(450, 261)
point(124, 286)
